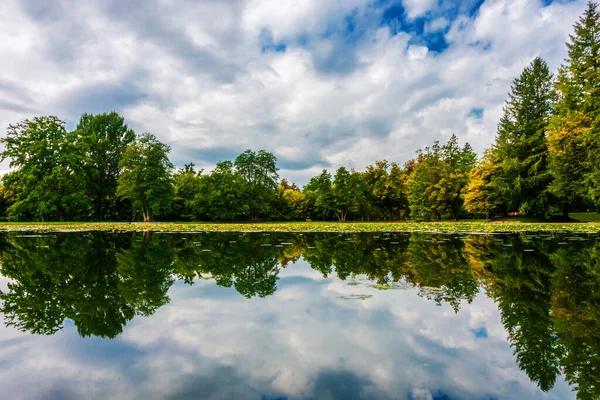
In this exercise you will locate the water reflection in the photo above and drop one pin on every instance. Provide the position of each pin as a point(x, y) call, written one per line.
point(547, 288)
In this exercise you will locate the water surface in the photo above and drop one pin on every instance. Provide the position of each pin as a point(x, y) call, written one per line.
point(299, 316)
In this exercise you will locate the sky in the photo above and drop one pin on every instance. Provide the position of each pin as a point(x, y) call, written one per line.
point(320, 83)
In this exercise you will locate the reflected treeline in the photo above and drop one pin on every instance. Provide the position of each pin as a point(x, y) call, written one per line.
point(547, 288)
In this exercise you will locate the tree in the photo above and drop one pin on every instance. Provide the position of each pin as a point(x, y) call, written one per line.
point(259, 171)
point(345, 191)
point(386, 186)
point(187, 185)
point(439, 177)
point(220, 195)
point(480, 195)
point(105, 138)
point(48, 182)
point(291, 203)
point(573, 133)
point(146, 178)
point(521, 148)
point(319, 196)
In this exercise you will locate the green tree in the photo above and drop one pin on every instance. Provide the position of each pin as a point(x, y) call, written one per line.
point(319, 196)
point(147, 178)
point(347, 190)
point(259, 172)
point(220, 196)
point(186, 187)
point(439, 177)
point(105, 138)
point(521, 148)
point(48, 182)
point(573, 133)
point(386, 187)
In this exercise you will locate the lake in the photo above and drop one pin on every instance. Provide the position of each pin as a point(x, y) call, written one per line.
point(299, 316)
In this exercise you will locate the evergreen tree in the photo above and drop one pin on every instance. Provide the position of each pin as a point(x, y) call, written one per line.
point(573, 134)
point(521, 148)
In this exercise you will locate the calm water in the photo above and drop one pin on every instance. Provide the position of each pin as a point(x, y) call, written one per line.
point(306, 316)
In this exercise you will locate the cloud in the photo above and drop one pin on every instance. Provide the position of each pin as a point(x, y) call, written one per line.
point(338, 81)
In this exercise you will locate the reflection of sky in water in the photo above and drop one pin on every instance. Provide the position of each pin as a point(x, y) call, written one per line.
point(302, 342)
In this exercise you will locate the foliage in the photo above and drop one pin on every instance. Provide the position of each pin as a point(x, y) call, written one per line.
point(386, 188)
point(48, 182)
point(480, 195)
point(439, 177)
point(521, 150)
point(573, 135)
point(104, 138)
point(259, 173)
point(146, 179)
point(219, 197)
point(186, 185)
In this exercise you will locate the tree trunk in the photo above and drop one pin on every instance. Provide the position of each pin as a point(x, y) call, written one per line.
point(565, 210)
point(147, 214)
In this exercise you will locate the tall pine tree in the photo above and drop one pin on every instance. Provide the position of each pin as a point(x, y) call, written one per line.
point(574, 129)
point(521, 147)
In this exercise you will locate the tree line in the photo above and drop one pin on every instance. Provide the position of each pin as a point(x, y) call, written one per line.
point(545, 159)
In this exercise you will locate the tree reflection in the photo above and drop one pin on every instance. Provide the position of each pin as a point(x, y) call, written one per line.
point(63, 277)
point(575, 311)
point(548, 294)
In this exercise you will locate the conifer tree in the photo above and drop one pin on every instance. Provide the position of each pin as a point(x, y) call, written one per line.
point(521, 146)
point(574, 129)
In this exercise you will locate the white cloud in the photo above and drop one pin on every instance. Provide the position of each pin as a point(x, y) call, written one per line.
point(344, 91)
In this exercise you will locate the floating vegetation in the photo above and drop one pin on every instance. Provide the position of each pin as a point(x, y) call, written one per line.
point(392, 286)
point(356, 296)
point(266, 228)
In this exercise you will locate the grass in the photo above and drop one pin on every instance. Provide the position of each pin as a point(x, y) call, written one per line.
point(446, 226)
point(585, 217)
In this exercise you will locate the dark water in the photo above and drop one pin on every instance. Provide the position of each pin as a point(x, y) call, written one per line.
point(306, 316)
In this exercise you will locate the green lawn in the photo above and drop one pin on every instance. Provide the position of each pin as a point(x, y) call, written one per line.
point(585, 217)
point(447, 226)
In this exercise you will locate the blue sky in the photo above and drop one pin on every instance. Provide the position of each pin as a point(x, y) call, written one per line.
point(320, 83)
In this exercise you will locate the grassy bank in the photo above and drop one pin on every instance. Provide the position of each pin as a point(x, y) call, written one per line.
point(449, 226)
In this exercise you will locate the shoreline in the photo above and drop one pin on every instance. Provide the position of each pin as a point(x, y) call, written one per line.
point(300, 227)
